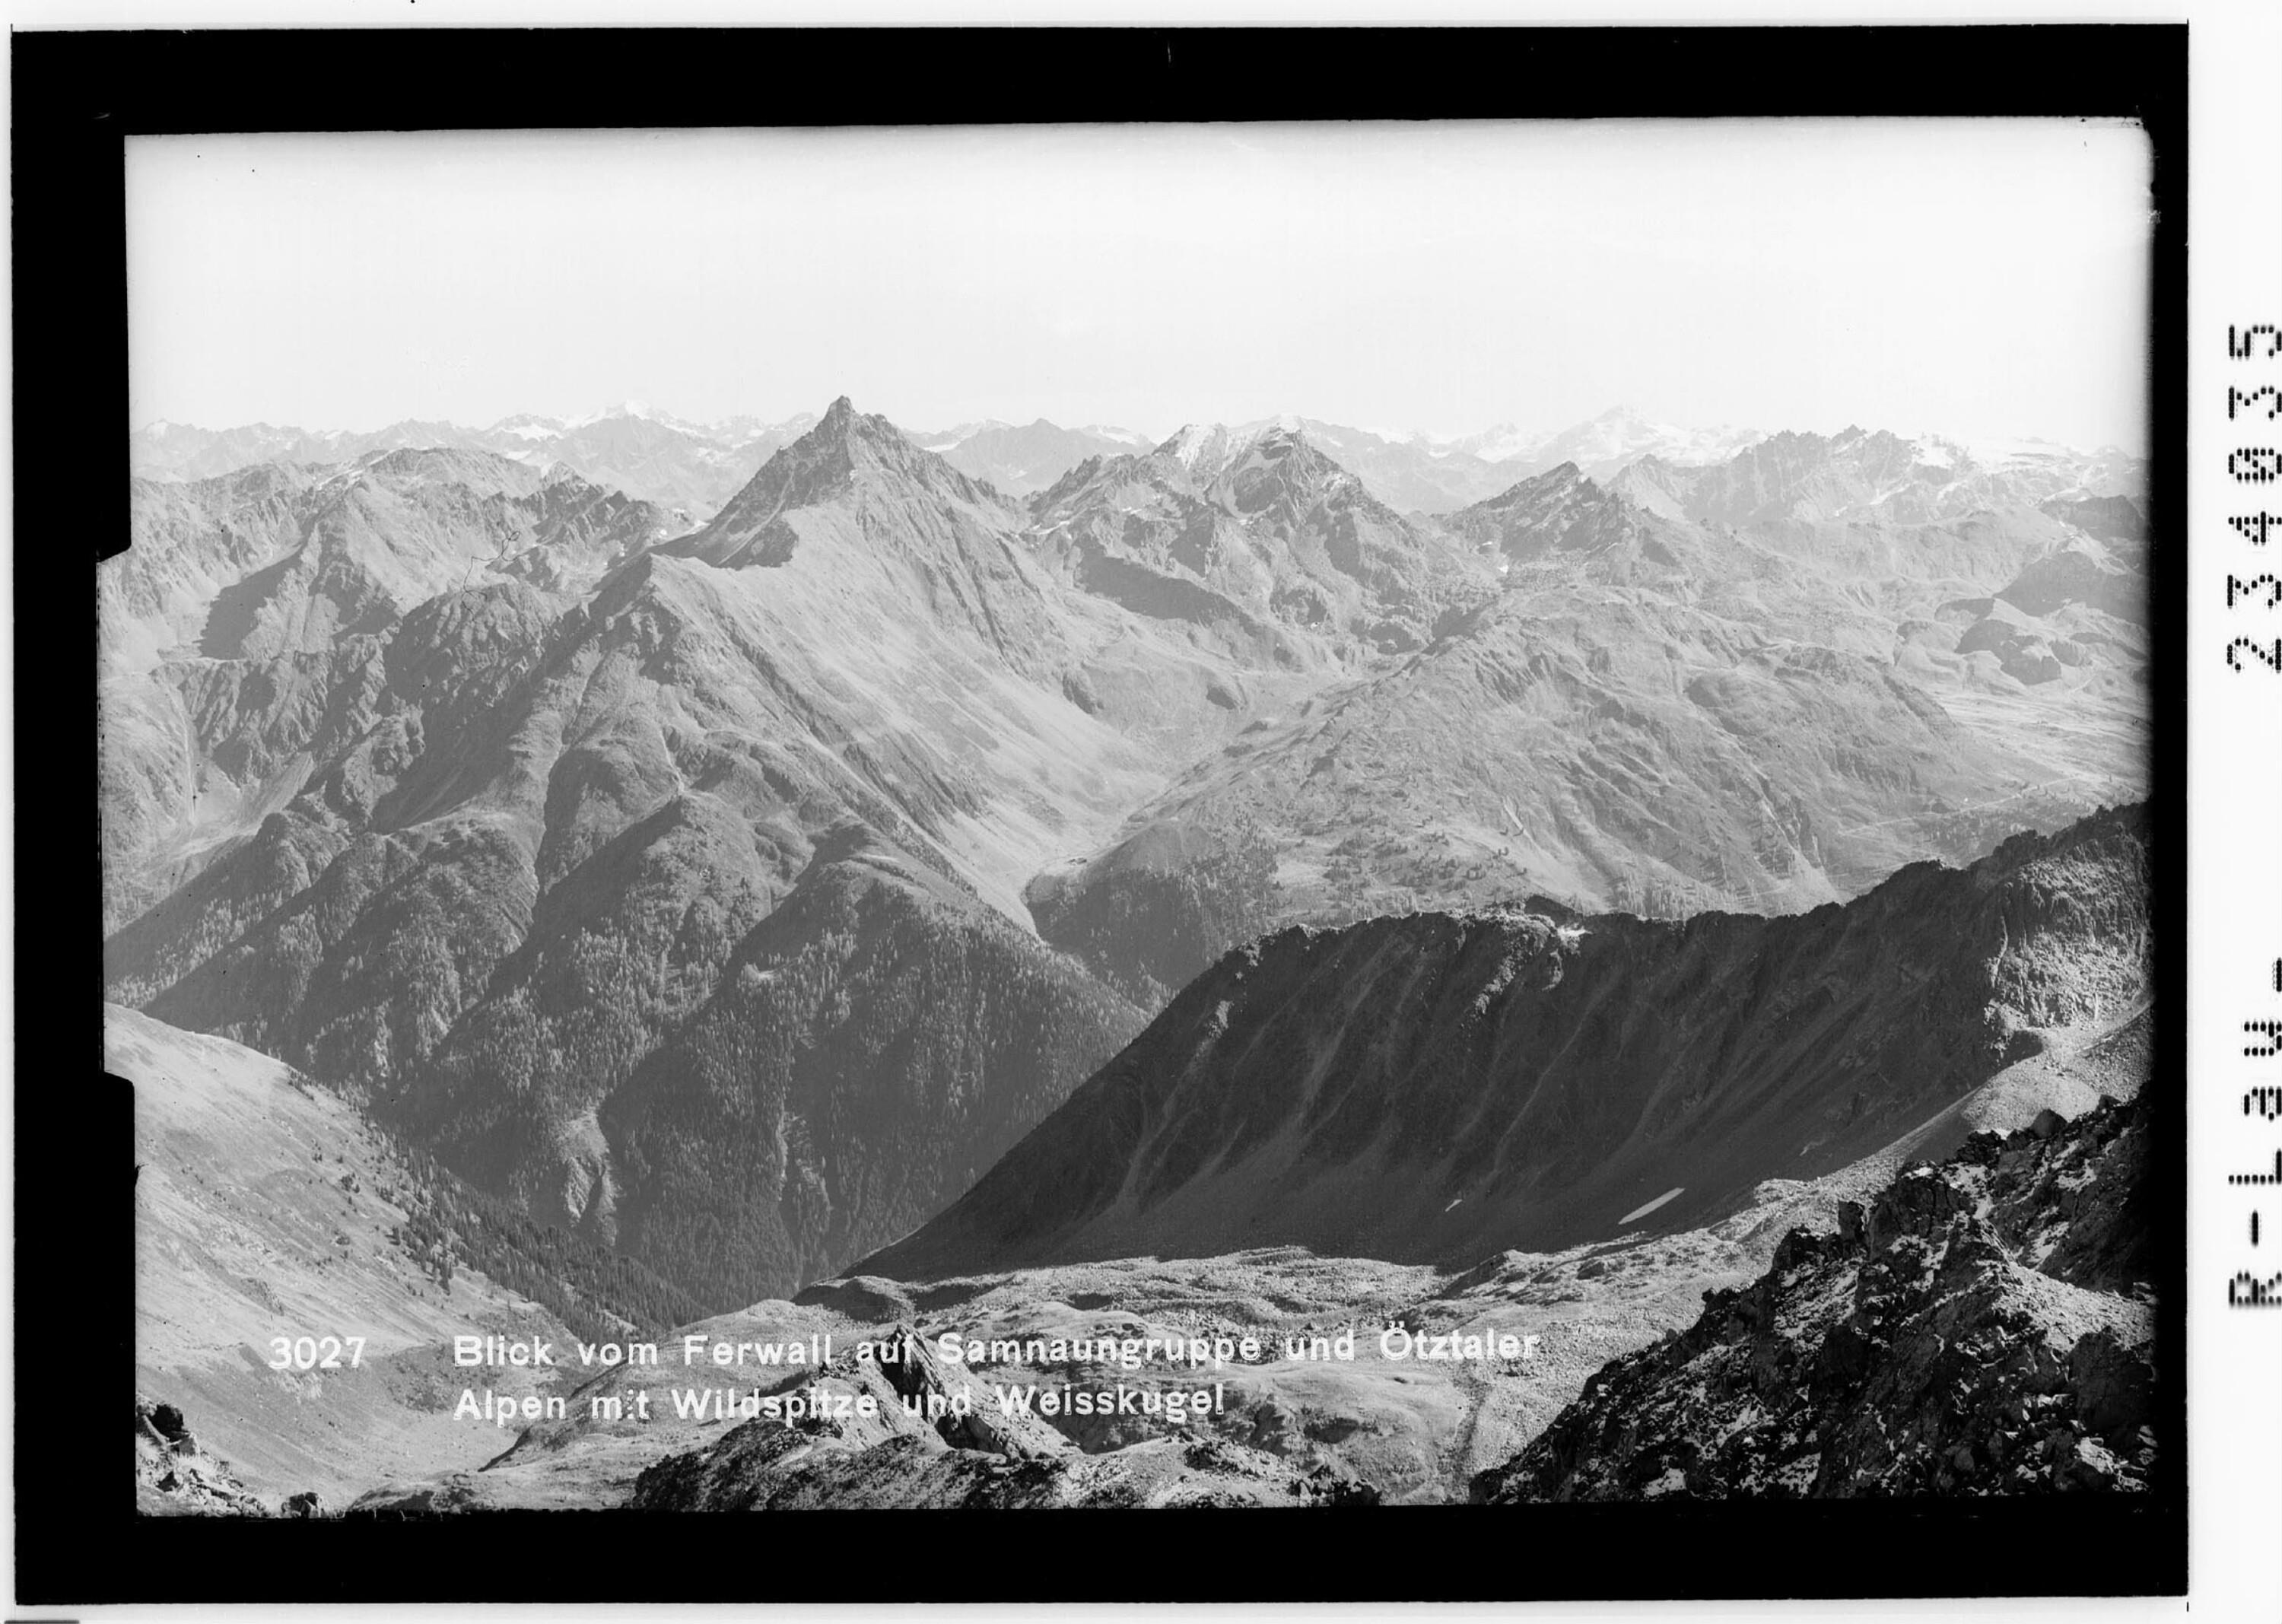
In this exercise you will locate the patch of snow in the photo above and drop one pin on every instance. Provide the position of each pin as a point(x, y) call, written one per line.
point(1123, 436)
point(1191, 441)
point(1638, 1212)
point(1673, 1482)
point(1798, 1476)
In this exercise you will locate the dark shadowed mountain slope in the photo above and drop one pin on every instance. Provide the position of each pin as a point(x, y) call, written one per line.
point(1434, 1088)
point(821, 1080)
point(1155, 911)
point(1985, 1327)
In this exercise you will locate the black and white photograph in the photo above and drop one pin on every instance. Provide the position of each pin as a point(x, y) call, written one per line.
point(1215, 954)
point(1307, 815)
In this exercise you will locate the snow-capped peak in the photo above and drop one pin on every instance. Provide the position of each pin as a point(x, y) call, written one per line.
point(1123, 436)
point(528, 428)
point(1496, 443)
point(1192, 441)
point(641, 409)
point(1931, 451)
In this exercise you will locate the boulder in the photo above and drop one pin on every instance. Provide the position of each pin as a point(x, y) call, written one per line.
point(2115, 1386)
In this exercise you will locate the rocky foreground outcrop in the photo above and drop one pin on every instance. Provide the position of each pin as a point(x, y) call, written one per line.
point(174, 1477)
point(891, 1424)
point(1986, 1327)
point(980, 1457)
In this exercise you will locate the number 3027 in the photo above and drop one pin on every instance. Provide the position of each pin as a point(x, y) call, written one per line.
point(315, 1353)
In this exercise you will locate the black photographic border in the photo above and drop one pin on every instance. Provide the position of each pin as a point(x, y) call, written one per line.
point(77, 95)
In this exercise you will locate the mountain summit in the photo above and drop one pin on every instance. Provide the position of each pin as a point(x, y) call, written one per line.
point(845, 457)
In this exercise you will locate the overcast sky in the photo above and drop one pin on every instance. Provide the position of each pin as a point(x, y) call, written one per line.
point(1980, 278)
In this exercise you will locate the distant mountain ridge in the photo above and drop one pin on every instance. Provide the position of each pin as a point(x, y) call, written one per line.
point(1021, 461)
point(697, 466)
point(649, 454)
point(632, 447)
point(1601, 445)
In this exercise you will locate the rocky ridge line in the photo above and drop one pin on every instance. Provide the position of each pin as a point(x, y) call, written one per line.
point(1986, 1327)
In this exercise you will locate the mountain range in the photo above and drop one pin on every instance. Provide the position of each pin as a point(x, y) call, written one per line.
point(693, 468)
point(1961, 1247)
point(1658, 708)
point(1033, 850)
point(498, 795)
point(632, 447)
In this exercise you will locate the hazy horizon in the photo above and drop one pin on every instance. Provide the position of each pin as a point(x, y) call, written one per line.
point(1979, 279)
